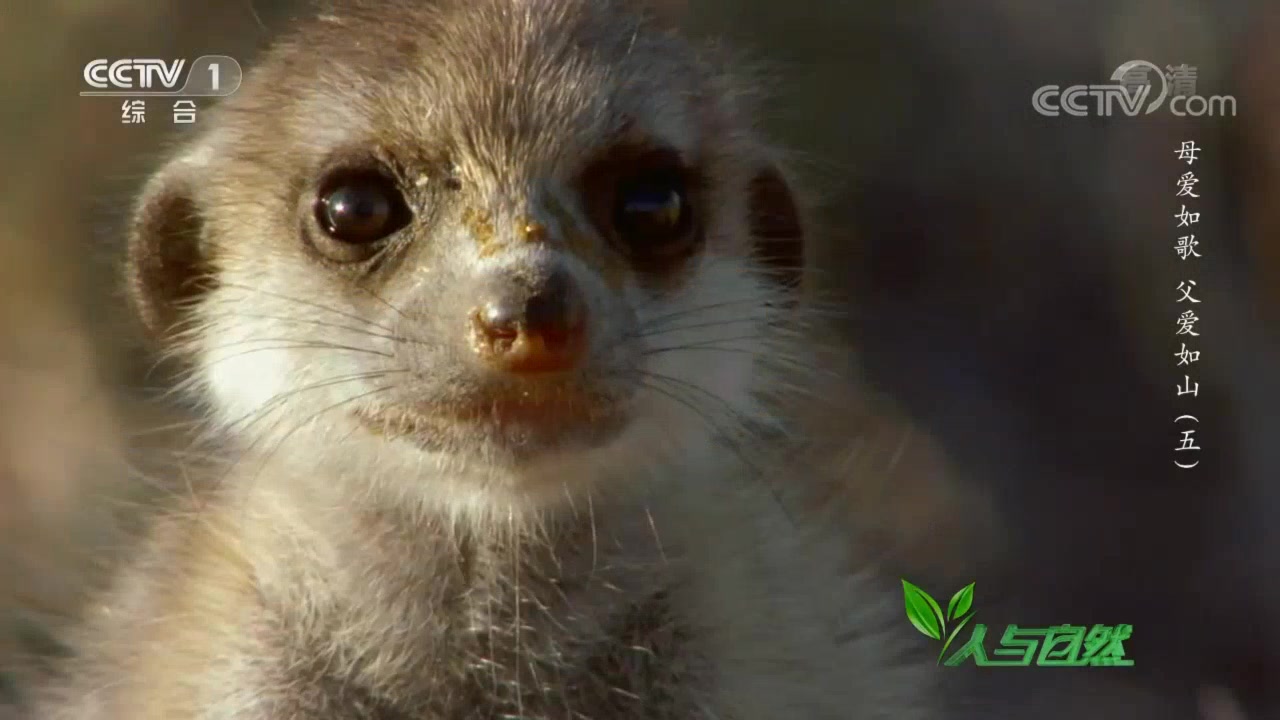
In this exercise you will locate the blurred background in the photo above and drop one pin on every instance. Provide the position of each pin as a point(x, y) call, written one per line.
point(1011, 281)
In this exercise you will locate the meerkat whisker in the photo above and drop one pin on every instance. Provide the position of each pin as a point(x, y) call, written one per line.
point(283, 397)
point(730, 439)
point(385, 303)
point(649, 333)
point(232, 318)
point(293, 346)
point(715, 344)
point(329, 383)
point(308, 303)
point(731, 412)
point(752, 301)
point(309, 420)
point(248, 421)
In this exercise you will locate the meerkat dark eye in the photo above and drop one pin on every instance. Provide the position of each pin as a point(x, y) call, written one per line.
point(360, 208)
point(653, 216)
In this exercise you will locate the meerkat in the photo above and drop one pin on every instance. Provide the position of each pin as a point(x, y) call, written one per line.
point(493, 302)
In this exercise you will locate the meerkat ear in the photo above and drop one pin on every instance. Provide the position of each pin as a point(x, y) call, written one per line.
point(165, 263)
point(776, 227)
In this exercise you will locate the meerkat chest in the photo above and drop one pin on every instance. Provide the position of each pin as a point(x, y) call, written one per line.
point(637, 662)
point(641, 664)
point(532, 648)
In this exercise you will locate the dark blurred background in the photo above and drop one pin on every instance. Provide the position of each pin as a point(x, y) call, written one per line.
point(1011, 281)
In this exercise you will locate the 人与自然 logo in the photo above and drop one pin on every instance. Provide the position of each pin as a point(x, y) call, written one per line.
point(1058, 645)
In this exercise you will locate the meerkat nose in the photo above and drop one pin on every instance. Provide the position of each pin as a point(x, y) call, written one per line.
point(535, 328)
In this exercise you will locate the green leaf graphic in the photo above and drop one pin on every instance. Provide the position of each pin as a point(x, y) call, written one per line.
point(960, 602)
point(954, 632)
point(922, 611)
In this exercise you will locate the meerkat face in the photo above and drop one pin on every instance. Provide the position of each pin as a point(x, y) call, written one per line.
point(520, 241)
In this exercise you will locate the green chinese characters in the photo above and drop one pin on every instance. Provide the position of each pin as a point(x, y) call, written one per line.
point(1054, 646)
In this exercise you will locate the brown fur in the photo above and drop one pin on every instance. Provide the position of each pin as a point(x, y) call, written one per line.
point(339, 571)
